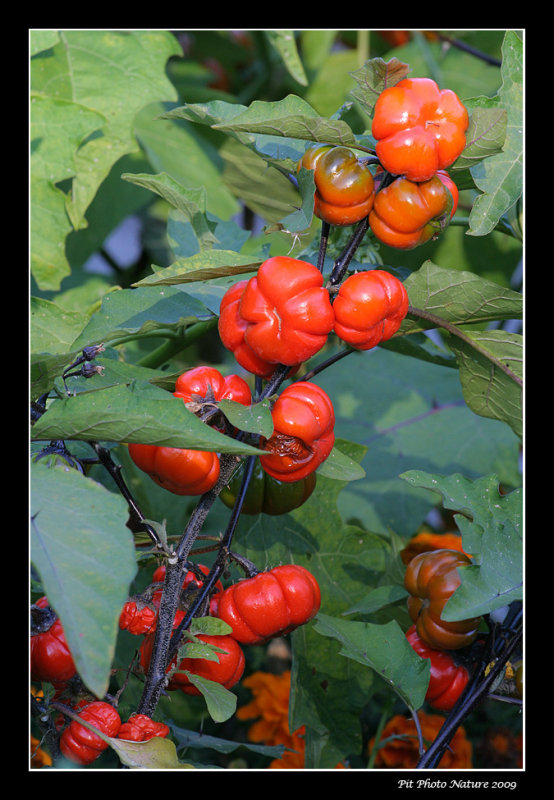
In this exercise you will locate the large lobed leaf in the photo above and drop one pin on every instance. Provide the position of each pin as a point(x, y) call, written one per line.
point(491, 528)
point(85, 556)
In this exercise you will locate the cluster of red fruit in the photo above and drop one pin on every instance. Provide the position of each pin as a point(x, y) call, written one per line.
point(51, 661)
point(419, 132)
point(302, 438)
point(282, 316)
point(258, 608)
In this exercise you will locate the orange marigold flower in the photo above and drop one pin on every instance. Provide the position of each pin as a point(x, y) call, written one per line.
point(402, 749)
point(270, 704)
point(425, 540)
point(270, 708)
point(38, 757)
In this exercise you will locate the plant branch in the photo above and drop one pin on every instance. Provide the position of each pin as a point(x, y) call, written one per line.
point(323, 241)
point(220, 563)
point(164, 644)
point(342, 263)
point(477, 692)
point(114, 470)
point(155, 678)
point(175, 344)
point(467, 48)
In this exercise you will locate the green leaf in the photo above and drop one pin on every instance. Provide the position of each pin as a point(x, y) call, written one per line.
point(209, 625)
point(191, 202)
point(374, 77)
point(85, 556)
point(301, 219)
point(166, 141)
point(491, 374)
point(490, 524)
point(253, 419)
point(285, 44)
point(58, 129)
point(291, 117)
point(385, 649)
point(263, 189)
point(339, 466)
point(53, 329)
point(138, 413)
point(187, 738)
point(42, 40)
point(156, 753)
point(221, 703)
point(115, 73)
point(408, 412)
point(459, 297)
point(485, 136)
point(201, 267)
point(500, 178)
point(198, 649)
point(143, 310)
point(274, 149)
point(378, 598)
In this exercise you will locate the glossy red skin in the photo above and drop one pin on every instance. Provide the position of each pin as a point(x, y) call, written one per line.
point(431, 578)
point(137, 620)
point(447, 680)
point(369, 308)
point(180, 471)
point(51, 658)
point(227, 670)
point(303, 435)
point(270, 604)
point(140, 728)
point(282, 315)
point(81, 745)
point(407, 214)
point(232, 329)
point(419, 128)
point(208, 382)
point(344, 186)
point(190, 577)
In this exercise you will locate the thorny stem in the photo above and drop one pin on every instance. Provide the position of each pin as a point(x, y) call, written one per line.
point(156, 675)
